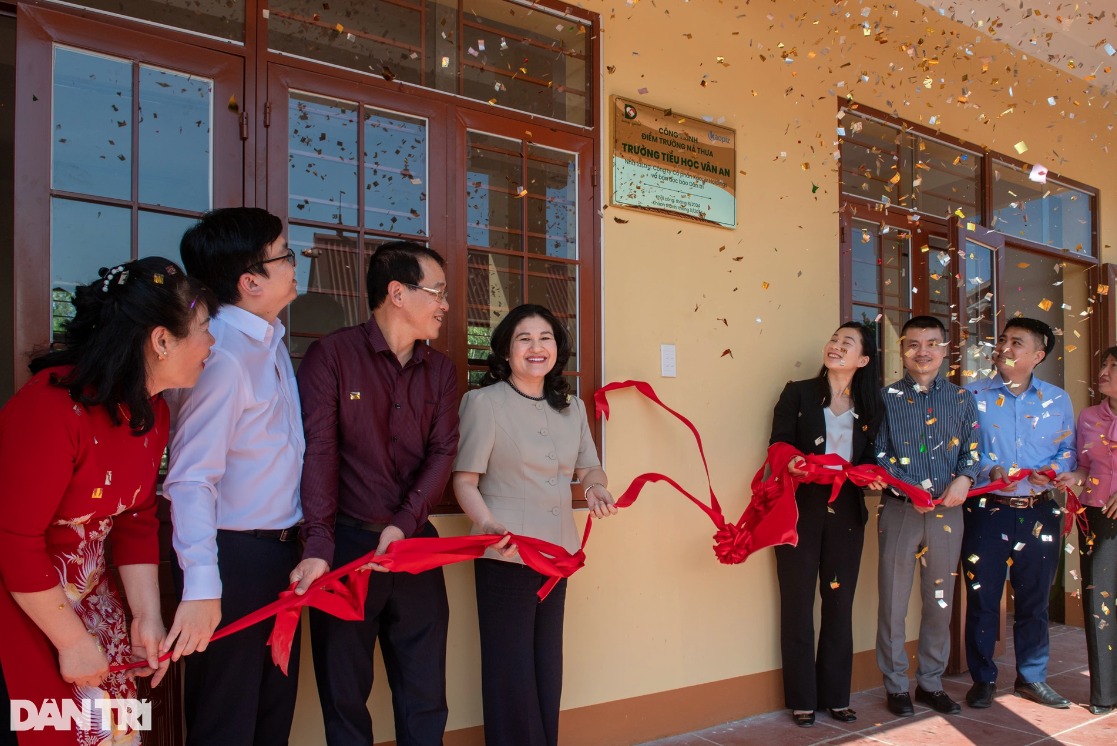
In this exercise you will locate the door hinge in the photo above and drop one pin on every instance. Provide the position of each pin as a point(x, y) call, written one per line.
point(267, 114)
point(244, 125)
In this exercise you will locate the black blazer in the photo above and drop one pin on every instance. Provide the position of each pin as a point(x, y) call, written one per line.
point(798, 420)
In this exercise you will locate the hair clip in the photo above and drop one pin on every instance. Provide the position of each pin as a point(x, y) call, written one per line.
point(118, 273)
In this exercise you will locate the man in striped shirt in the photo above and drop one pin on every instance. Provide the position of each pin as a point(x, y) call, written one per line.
point(928, 440)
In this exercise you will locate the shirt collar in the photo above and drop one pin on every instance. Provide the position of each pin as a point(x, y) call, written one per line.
point(1034, 384)
point(380, 345)
point(935, 384)
point(252, 326)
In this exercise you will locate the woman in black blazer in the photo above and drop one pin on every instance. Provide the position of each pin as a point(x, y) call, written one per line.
point(837, 411)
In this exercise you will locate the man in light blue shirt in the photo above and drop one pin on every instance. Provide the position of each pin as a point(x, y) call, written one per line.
point(236, 457)
point(1023, 423)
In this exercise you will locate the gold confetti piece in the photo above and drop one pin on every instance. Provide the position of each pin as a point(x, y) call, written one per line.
point(932, 420)
point(97, 493)
point(835, 585)
point(354, 396)
point(946, 528)
point(764, 286)
point(1103, 290)
point(972, 559)
point(1104, 609)
point(953, 442)
point(233, 105)
point(1000, 400)
point(1045, 304)
point(1023, 265)
point(339, 28)
point(158, 278)
point(921, 552)
point(1037, 529)
point(1072, 348)
point(1021, 147)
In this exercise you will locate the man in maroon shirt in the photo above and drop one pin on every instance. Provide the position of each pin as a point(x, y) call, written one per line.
point(380, 411)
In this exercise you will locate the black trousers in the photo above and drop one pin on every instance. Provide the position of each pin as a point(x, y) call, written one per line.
point(410, 615)
point(234, 694)
point(828, 556)
point(1099, 588)
point(521, 654)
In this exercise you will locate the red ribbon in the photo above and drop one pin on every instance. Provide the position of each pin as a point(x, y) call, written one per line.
point(769, 519)
point(342, 592)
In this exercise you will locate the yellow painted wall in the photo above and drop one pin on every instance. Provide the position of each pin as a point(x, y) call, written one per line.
point(653, 610)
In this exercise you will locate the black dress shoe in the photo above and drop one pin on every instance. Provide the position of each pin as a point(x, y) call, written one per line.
point(803, 719)
point(1040, 693)
point(900, 705)
point(1101, 709)
point(981, 695)
point(843, 715)
point(938, 701)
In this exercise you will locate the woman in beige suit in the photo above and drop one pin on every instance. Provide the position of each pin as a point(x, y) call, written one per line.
point(523, 438)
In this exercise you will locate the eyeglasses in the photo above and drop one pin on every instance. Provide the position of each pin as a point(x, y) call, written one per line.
point(289, 256)
point(442, 296)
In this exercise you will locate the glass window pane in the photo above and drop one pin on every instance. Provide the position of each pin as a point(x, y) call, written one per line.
point(92, 137)
point(552, 198)
point(523, 58)
point(382, 38)
point(945, 179)
point(322, 151)
point(395, 176)
point(870, 154)
point(494, 192)
point(161, 235)
point(940, 278)
point(526, 58)
point(330, 275)
point(1042, 289)
point(220, 18)
point(1050, 214)
point(176, 117)
point(495, 286)
point(555, 285)
point(980, 331)
point(83, 238)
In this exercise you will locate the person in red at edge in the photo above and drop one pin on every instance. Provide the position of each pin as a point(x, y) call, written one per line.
point(80, 446)
point(380, 411)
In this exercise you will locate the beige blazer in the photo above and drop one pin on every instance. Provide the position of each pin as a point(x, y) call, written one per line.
point(526, 454)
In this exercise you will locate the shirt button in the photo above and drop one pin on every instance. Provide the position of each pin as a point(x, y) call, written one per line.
point(397, 406)
point(538, 405)
point(543, 431)
point(554, 511)
point(551, 455)
point(394, 439)
point(552, 480)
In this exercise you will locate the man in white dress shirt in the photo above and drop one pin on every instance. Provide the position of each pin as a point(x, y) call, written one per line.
point(236, 458)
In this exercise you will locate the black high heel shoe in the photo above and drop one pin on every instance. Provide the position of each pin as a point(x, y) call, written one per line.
point(803, 719)
point(843, 715)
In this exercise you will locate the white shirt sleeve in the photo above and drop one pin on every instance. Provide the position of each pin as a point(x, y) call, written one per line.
point(203, 421)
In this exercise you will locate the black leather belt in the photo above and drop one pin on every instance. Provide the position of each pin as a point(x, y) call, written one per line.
point(277, 534)
point(346, 520)
point(1014, 501)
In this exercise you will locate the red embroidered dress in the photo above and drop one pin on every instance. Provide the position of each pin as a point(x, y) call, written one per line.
point(69, 478)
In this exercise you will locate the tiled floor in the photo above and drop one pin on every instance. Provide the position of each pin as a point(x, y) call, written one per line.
point(1011, 721)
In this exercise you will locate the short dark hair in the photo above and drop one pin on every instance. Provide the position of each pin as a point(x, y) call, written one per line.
point(924, 322)
point(106, 338)
point(226, 243)
point(1039, 329)
point(555, 385)
point(398, 261)
point(1109, 352)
